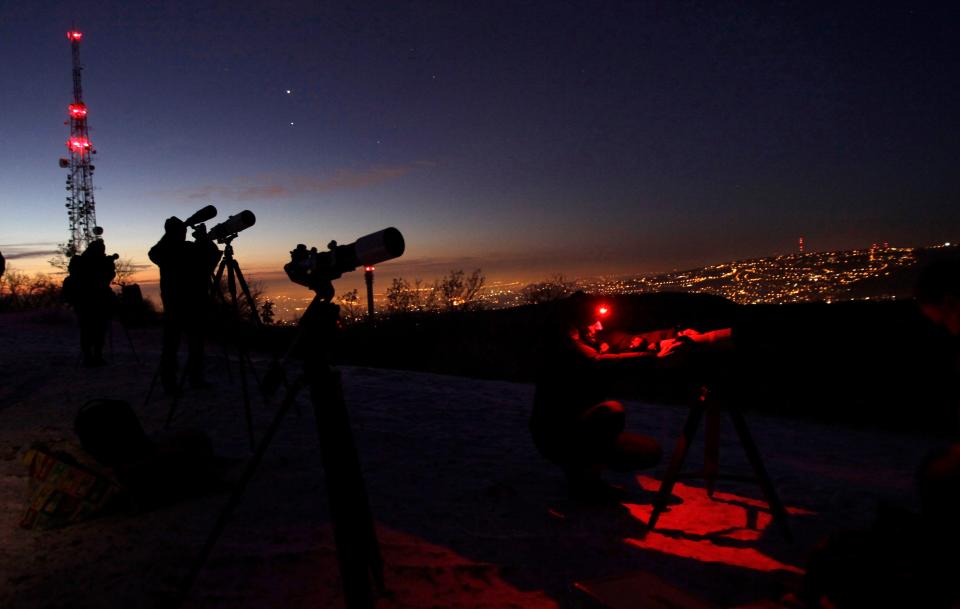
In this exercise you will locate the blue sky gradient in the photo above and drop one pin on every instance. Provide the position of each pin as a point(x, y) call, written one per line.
point(524, 138)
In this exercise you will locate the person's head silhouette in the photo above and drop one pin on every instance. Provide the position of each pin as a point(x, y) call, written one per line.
point(96, 248)
point(175, 228)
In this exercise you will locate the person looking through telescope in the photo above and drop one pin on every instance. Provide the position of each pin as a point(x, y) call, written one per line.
point(87, 290)
point(186, 268)
point(573, 423)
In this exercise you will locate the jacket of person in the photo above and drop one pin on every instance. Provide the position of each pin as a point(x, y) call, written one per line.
point(186, 268)
point(87, 286)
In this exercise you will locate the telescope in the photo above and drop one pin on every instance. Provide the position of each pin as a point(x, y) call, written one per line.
point(201, 216)
point(232, 225)
point(313, 269)
point(355, 537)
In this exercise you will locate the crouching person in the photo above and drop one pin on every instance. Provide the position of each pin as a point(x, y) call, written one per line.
point(573, 422)
point(154, 471)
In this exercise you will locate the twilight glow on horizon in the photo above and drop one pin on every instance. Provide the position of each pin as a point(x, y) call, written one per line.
point(526, 139)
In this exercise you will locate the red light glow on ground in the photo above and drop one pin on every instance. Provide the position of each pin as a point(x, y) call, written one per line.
point(711, 529)
point(302, 573)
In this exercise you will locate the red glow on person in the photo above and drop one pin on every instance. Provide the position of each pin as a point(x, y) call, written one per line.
point(74, 35)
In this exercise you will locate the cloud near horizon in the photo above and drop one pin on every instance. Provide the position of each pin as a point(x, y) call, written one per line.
point(15, 251)
point(269, 186)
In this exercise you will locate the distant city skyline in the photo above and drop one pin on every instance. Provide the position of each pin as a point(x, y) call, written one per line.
point(277, 286)
point(874, 272)
point(527, 140)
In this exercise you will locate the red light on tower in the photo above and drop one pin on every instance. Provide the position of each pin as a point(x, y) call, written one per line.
point(369, 269)
point(78, 111)
point(78, 144)
point(74, 35)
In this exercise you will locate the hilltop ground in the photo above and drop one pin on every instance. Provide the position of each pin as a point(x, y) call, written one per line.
point(468, 513)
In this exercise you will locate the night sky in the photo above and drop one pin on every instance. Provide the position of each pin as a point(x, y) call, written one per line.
point(525, 138)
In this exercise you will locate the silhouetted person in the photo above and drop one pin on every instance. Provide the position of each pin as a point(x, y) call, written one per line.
point(573, 422)
point(186, 269)
point(87, 290)
point(938, 296)
point(903, 560)
point(3, 264)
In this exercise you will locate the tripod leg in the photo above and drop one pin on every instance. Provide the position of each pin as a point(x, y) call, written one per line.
point(246, 292)
point(168, 356)
point(226, 362)
point(153, 384)
point(241, 357)
point(218, 276)
point(236, 496)
point(769, 491)
point(133, 349)
point(246, 398)
point(176, 398)
point(256, 379)
point(711, 448)
point(358, 550)
point(676, 462)
point(218, 289)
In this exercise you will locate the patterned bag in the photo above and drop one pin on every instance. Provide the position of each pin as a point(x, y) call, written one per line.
point(64, 492)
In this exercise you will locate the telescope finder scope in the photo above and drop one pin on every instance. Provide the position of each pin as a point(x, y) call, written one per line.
point(201, 216)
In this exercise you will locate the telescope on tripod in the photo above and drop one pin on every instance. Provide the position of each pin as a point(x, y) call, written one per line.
point(223, 233)
point(358, 550)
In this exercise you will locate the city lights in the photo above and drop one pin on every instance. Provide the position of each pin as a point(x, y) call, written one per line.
point(828, 277)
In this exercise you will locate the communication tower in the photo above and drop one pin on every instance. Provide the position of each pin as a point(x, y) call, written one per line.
point(800, 244)
point(81, 213)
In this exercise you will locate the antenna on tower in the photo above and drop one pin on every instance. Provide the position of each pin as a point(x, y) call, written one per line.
point(81, 211)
